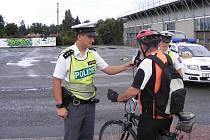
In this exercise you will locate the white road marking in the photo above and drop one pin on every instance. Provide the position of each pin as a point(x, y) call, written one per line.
point(26, 62)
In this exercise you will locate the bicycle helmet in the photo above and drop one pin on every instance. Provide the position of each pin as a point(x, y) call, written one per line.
point(166, 36)
point(148, 39)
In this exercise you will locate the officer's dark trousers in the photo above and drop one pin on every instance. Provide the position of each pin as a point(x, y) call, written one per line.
point(80, 122)
point(148, 127)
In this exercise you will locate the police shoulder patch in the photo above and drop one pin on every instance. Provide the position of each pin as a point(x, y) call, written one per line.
point(68, 53)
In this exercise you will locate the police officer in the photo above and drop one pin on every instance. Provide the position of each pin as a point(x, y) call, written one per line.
point(76, 65)
point(146, 83)
point(165, 39)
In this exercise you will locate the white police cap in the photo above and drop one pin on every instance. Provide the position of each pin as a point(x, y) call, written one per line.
point(86, 28)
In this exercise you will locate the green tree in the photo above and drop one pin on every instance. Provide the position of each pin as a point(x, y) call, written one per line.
point(77, 21)
point(2, 30)
point(105, 31)
point(110, 31)
point(67, 33)
point(118, 32)
point(1, 22)
point(36, 28)
point(68, 38)
point(22, 29)
point(68, 21)
point(45, 30)
point(11, 29)
point(98, 39)
point(53, 29)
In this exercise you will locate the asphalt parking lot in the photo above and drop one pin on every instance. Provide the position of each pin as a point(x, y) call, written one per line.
point(28, 108)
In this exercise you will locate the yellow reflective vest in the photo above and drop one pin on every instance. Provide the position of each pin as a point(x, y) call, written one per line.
point(170, 53)
point(81, 77)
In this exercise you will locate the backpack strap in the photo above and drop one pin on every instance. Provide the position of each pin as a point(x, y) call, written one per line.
point(160, 62)
point(169, 60)
point(157, 60)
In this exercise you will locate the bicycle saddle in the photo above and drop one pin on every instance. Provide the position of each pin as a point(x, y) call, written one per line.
point(186, 126)
point(186, 116)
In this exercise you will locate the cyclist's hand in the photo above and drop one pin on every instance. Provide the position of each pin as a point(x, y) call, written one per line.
point(112, 95)
point(62, 112)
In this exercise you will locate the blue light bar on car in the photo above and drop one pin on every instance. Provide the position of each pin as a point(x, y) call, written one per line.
point(175, 40)
point(189, 40)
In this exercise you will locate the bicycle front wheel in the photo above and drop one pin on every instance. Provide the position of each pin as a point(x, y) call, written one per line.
point(115, 130)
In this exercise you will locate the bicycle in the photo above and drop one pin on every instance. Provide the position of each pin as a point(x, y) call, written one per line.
point(127, 129)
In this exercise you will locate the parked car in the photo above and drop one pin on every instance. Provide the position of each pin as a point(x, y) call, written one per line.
point(196, 61)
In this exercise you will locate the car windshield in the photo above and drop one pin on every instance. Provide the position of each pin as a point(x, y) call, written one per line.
point(195, 50)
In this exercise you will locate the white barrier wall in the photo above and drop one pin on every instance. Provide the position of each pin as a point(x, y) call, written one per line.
point(27, 42)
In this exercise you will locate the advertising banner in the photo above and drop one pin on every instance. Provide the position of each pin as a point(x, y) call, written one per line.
point(28, 42)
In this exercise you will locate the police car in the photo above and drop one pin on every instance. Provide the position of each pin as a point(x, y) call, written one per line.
point(195, 58)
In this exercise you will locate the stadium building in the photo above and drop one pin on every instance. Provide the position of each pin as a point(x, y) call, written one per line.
point(189, 16)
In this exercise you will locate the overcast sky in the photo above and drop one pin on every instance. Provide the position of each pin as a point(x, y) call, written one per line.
point(44, 11)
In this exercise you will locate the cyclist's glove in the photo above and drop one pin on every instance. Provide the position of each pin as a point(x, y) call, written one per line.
point(112, 95)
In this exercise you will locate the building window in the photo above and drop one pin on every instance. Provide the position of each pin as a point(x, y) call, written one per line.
point(208, 23)
point(169, 26)
point(208, 41)
point(202, 24)
point(197, 24)
point(146, 26)
point(131, 39)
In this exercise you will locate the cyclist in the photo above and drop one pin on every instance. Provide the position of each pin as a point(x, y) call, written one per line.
point(165, 39)
point(146, 80)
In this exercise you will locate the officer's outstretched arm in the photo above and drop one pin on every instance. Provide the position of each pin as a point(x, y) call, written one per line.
point(111, 70)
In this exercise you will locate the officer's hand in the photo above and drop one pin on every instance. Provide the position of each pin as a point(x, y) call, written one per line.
point(62, 112)
point(112, 95)
point(129, 65)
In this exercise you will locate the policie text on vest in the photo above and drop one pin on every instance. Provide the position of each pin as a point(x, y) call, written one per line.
point(84, 72)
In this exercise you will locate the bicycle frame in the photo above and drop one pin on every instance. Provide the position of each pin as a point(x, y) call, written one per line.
point(130, 108)
point(129, 125)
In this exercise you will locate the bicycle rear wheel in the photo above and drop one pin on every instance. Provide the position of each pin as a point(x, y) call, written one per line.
point(115, 130)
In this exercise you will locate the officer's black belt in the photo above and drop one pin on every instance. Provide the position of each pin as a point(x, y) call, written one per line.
point(77, 101)
point(68, 98)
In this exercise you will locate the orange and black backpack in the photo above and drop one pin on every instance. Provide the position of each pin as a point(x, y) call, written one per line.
point(170, 97)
